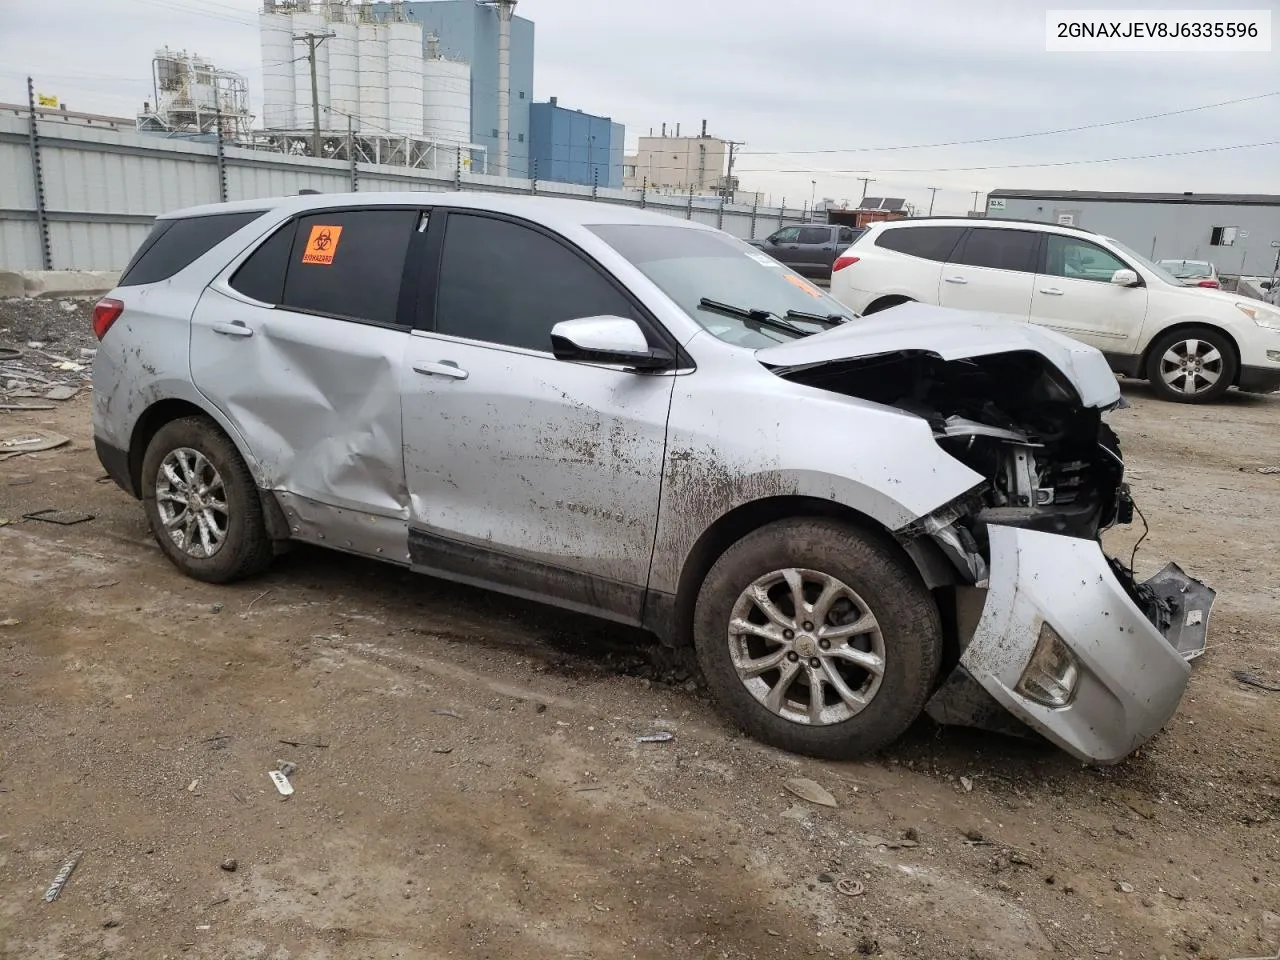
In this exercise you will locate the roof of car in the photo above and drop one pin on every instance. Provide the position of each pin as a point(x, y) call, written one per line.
point(549, 210)
point(981, 222)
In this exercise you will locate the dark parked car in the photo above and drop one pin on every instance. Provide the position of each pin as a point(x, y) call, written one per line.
point(811, 249)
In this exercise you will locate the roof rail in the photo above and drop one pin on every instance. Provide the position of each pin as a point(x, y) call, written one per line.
point(981, 220)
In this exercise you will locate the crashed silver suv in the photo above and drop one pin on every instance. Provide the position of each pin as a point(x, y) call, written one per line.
point(850, 520)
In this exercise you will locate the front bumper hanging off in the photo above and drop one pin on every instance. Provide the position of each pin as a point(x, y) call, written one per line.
point(1130, 673)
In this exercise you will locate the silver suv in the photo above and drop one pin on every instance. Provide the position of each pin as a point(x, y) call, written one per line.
point(651, 421)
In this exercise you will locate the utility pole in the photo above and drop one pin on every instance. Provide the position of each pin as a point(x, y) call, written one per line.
point(312, 41)
point(729, 181)
point(933, 192)
point(975, 200)
point(813, 197)
point(865, 181)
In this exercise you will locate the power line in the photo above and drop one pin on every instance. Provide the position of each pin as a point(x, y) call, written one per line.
point(1021, 166)
point(1015, 136)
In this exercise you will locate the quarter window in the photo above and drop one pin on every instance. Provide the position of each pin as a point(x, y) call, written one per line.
point(999, 249)
point(930, 243)
point(1080, 260)
point(504, 283)
point(174, 245)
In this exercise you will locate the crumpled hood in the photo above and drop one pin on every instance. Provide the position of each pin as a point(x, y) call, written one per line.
point(951, 335)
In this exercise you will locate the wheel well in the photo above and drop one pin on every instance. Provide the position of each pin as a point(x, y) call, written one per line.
point(739, 522)
point(884, 303)
point(148, 425)
point(1188, 325)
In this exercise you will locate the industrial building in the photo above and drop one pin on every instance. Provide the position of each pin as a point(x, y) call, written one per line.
point(1237, 232)
point(192, 97)
point(676, 164)
point(474, 32)
point(574, 147)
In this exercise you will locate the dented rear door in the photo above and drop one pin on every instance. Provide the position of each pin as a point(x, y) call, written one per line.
point(301, 347)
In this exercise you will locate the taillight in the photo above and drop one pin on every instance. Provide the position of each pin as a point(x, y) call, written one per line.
point(105, 312)
point(842, 262)
point(1208, 283)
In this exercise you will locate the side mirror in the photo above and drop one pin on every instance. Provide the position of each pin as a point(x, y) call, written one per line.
point(608, 340)
point(1125, 278)
point(1266, 284)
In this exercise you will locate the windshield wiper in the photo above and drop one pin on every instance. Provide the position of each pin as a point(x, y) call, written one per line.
point(763, 317)
point(830, 319)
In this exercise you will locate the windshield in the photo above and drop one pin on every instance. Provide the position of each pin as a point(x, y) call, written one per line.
point(1187, 269)
point(1155, 268)
point(691, 266)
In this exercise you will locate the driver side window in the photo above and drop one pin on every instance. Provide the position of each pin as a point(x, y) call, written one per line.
point(1080, 260)
point(505, 283)
point(787, 235)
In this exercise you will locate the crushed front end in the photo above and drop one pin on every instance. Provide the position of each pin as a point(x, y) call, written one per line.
point(1046, 627)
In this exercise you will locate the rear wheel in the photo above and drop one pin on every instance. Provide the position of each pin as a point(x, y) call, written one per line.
point(1192, 365)
point(202, 503)
point(884, 304)
point(817, 639)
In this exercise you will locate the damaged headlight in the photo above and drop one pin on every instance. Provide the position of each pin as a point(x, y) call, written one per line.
point(1053, 673)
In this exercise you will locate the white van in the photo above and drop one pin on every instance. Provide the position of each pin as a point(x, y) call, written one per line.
point(1192, 344)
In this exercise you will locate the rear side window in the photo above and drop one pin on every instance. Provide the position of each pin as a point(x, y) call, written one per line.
point(341, 263)
point(174, 245)
point(931, 243)
point(1000, 249)
point(847, 235)
point(815, 235)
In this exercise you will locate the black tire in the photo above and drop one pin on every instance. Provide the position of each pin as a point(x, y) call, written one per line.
point(246, 548)
point(885, 304)
point(906, 612)
point(1226, 368)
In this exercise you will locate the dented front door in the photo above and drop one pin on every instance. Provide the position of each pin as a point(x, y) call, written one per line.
point(527, 473)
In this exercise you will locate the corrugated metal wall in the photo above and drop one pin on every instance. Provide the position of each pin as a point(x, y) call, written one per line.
point(103, 187)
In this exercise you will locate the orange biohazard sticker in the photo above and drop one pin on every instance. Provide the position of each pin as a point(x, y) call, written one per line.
point(803, 284)
point(321, 245)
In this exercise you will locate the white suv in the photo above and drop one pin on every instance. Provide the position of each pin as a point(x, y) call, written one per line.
point(1192, 344)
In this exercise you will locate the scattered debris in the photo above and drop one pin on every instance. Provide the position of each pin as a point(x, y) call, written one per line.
point(975, 836)
point(229, 865)
point(1253, 681)
point(806, 789)
point(540, 708)
point(303, 743)
point(60, 881)
point(448, 713)
point(220, 902)
point(967, 783)
point(33, 442)
point(872, 842)
point(216, 608)
point(63, 518)
point(191, 787)
point(110, 923)
point(256, 599)
point(1124, 887)
point(282, 783)
point(10, 622)
point(442, 750)
point(287, 768)
point(662, 736)
point(850, 887)
point(1269, 470)
point(61, 392)
point(771, 932)
point(29, 406)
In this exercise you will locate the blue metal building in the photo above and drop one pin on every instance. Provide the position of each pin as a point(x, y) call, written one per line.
point(468, 31)
point(570, 146)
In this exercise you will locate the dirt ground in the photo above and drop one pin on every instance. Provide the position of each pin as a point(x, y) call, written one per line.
point(469, 782)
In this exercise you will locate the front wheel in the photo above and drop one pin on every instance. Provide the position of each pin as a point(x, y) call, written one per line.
point(815, 638)
point(202, 503)
point(1192, 365)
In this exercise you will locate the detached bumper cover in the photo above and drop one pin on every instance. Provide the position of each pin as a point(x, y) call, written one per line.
point(1132, 676)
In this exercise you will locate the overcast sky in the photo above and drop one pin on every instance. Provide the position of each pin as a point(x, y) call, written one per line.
point(802, 75)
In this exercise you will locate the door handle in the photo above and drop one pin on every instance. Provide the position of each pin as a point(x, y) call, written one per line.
point(956, 280)
point(233, 329)
point(1051, 291)
point(445, 368)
